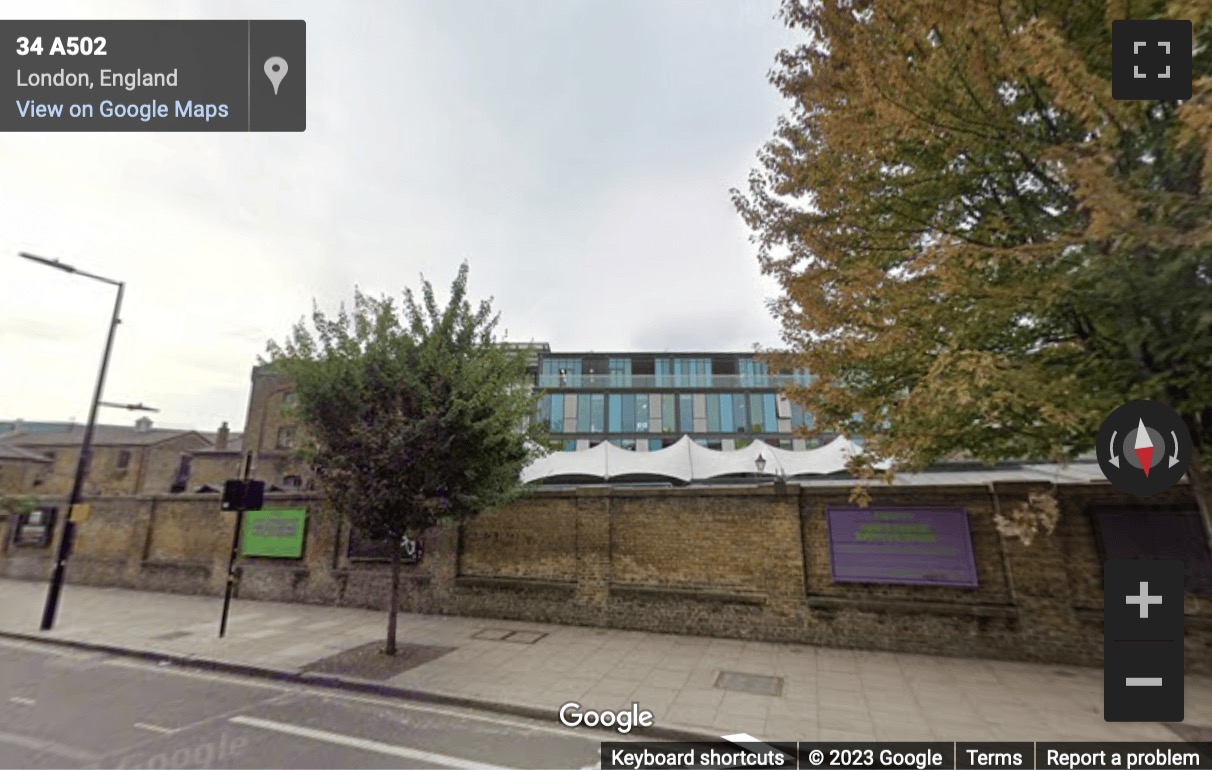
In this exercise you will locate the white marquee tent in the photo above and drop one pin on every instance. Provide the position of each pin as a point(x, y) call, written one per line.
point(687, 461)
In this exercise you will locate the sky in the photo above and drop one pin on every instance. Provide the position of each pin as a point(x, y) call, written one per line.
point(578, 154)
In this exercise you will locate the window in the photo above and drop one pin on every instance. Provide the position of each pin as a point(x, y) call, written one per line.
point(800, 418)
point(570, 445)
point(123, 460)
point(770, 412)
point(685, 412)
point(559, 372)
point(713, 412)
point(727, 417)
point(740, 415)
point(715, 443)
point(583, 404)
point(654, 444)
point(620, 372)
point(628, 443)
point(692, 372)
point(753, 373)
point(615, 413)
point(668, 413)
point(755, 412)
point(641, 413)
point(664, 372)
point(556, 412)
point(286, 437)
point(292, 482)
point(629, 401)
point(597, 412)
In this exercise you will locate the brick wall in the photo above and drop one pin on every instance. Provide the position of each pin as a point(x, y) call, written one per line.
point(745, 562)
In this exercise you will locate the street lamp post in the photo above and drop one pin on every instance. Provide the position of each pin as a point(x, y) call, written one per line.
point(86, 446)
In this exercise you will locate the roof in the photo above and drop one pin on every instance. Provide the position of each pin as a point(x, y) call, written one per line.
point(688, 462)
point(17, 453)
point(24, 426)
point(235, 443)
point(103, 435)
point(1047, 473)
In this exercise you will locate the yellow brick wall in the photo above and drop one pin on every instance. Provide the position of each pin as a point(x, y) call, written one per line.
point(529, 539)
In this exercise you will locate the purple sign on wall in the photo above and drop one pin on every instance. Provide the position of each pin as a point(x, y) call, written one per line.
point(914, 546)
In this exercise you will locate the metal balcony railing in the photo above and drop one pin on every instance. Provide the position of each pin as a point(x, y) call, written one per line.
point(642, 381)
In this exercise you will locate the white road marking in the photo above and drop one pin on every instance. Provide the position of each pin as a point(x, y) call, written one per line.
point(363, 744)
point(321, 692)
point(450, 712)
point(50, 747)
point(155, 728)
point(22, 701)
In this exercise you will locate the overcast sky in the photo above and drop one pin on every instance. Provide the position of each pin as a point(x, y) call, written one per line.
point(578, 154)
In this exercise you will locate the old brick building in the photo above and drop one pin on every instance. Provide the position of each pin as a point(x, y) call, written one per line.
point(127, 460)
point(19, 468)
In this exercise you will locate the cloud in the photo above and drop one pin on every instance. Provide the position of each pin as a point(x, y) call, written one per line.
point(578, 153)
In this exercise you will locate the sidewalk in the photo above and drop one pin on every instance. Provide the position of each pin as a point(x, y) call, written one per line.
point(826, 694)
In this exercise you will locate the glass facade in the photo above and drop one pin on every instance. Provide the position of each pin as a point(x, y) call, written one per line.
point(625, 399)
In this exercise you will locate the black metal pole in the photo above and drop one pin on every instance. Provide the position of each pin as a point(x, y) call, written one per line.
point(235, 543)
point(86, 452)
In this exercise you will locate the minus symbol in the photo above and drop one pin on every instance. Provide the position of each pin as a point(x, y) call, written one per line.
point(1143, 681)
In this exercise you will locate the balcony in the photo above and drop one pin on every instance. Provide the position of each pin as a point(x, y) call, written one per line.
point(680, 381)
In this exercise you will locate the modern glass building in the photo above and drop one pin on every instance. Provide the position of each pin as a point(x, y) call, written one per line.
point(647, 401)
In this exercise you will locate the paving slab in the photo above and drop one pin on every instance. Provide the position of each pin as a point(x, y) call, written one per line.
point(822, 693)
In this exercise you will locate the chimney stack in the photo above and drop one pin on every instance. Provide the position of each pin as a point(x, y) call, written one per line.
point(221, 438)
point(143, 424)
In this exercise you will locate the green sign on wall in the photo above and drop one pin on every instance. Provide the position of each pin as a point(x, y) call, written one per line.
point(274, 533)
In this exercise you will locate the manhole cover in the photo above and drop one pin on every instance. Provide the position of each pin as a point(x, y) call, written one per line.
point(172, 635)
point(524, 637)
point(754, 684)
point(505, 635)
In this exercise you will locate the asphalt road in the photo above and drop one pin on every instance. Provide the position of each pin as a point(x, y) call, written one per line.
point(66, 709)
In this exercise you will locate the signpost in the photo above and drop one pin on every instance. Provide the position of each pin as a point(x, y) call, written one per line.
point(248, 494)
point(912, 546)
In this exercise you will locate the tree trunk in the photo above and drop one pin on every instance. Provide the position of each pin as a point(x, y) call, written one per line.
point(1201, 488)
point(393, 611)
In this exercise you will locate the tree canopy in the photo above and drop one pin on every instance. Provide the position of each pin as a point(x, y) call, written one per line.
point(414, 414)
point(980, 251)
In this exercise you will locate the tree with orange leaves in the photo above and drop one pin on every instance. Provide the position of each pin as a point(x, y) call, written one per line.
point(981, 252)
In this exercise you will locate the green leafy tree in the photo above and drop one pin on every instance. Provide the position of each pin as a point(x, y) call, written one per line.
point(980, 251)
point(15, 506)
point(414, 415)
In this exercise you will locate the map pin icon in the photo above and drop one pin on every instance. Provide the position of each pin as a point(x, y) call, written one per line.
point(275, 70)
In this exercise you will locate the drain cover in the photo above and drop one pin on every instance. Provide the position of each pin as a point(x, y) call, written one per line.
point(505, 635)
point(754, 684)
point(524, 637)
